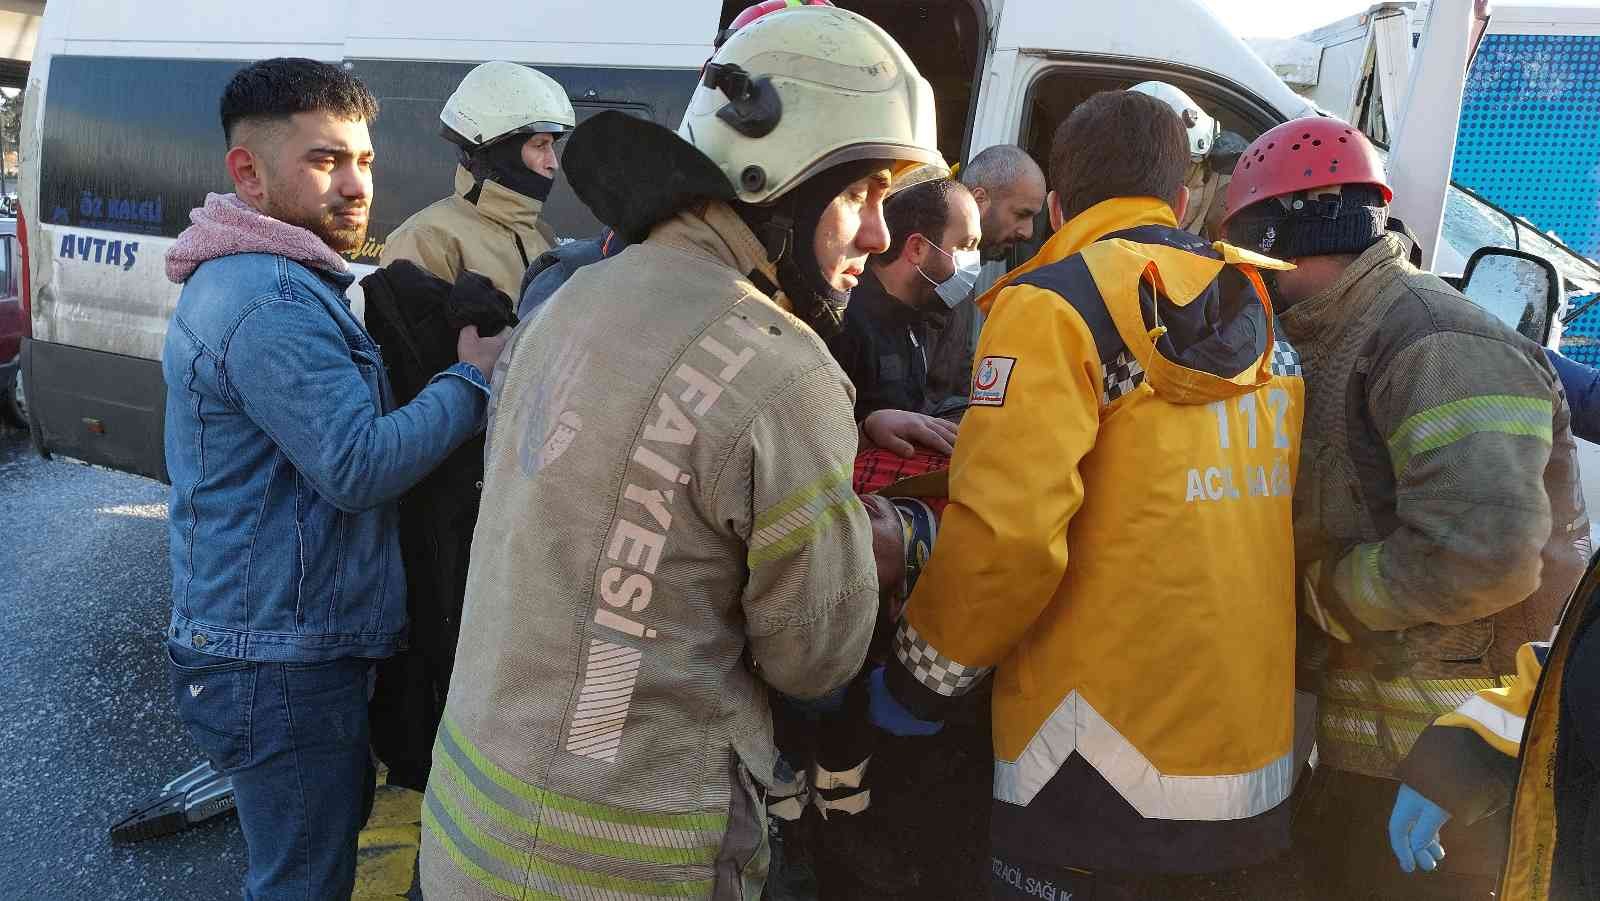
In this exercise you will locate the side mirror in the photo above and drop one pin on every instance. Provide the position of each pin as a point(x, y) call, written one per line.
point(1518, 288)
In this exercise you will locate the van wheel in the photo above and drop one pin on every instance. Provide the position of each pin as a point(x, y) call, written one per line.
point(15, 403)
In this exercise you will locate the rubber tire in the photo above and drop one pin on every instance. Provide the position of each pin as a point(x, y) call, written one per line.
point(14, 405)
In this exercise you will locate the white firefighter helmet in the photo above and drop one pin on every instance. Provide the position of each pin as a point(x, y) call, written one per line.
point(1202, 128)
point(498, 99)
point(805, 89)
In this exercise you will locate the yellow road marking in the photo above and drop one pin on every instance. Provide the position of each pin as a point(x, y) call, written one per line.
point(387, 857)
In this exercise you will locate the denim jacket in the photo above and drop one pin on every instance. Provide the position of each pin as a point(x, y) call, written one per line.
point(287, 455)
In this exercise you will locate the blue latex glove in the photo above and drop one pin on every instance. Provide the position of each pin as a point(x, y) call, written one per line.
point(1414, 831)
point(889, 715)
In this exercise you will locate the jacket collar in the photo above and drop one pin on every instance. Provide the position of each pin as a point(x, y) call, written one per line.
point(498, 203)
point(716, 232)
point(1356, 288)
point(879, 304)
point(1084, 229)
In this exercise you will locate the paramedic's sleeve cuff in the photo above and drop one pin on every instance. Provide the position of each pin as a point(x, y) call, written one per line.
point(926, 682)
point(467, 372)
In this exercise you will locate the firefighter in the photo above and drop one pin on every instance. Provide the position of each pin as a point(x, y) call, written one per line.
point(1439, 523)
point(506, 120)
point(1212, 155)
point(668, 527)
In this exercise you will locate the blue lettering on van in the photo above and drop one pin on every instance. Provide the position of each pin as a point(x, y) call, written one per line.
point(93, 207)
point(122, 254)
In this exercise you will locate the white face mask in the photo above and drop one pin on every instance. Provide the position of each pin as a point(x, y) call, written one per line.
point(959, 285)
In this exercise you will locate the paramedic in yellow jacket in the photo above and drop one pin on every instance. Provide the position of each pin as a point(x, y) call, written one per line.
point(506, 119)
point(1117, 546)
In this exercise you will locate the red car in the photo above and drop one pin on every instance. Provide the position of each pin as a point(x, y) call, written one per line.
point(12, 405)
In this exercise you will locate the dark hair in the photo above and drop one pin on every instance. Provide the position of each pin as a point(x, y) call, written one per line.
point(279, 88)
point(920, 210)
point(1117, 144)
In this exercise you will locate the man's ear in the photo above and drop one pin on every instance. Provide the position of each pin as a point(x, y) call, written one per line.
point(981, 197)
point(245, 168)
point(1053, 200)
point(1180, 204)
point(916, 249)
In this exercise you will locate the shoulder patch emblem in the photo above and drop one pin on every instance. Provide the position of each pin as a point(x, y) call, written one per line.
point(990, 380)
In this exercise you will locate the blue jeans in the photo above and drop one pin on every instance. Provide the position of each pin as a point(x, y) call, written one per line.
point(293, 738)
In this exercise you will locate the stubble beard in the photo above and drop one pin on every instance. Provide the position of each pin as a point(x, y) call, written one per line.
point(325, 226)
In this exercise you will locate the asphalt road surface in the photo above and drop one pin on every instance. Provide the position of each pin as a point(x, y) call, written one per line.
point(86, 724)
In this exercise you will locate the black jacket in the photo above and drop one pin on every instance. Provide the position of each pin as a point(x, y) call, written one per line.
point(415, 318)
point(883, 348)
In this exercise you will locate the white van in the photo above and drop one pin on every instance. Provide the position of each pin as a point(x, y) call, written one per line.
point(121, 136)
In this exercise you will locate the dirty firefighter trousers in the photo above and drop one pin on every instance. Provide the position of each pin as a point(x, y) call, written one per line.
point(292, 737)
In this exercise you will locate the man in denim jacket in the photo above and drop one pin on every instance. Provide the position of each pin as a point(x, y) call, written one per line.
point(286, 455)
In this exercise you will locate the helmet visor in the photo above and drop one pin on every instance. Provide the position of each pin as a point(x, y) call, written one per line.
point(908, 165)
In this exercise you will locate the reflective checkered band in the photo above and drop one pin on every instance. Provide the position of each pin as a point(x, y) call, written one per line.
point(934, 670)
point(1286, 360)
point(1122, 375)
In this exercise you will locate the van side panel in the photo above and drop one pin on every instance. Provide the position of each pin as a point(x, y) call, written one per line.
point(106, 409)
point(128, 146)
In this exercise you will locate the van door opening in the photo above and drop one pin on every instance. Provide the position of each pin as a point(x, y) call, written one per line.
point(1058, 90)
point(947, 39)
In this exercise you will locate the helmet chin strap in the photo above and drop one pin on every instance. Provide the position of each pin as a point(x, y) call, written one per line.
point(798, 271)
point(779, 227)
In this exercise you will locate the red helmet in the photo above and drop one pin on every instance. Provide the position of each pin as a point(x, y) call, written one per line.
point(756, 10)
point(1300, 155)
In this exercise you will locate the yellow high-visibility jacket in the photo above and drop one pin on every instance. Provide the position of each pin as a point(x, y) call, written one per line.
point(1118, 546)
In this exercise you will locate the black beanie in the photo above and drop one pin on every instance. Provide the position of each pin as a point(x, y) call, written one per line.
point(1349, 222)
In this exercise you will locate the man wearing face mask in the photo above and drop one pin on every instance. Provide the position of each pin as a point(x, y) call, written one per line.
point(931, 266)
point(1009, 189)
point(506, 119)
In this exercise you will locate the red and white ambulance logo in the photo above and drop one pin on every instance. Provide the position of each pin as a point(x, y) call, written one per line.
point(990, 380)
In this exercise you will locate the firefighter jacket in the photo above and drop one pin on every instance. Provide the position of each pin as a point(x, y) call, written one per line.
point(1438, 518)
point(487, 228)
point(1117, 549)
point(667, 530)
